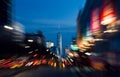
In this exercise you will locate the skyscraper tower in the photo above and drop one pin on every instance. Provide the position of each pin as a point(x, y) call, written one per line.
point(59, 48)
point(5, 12)
point(59, 44)
point(6, 20)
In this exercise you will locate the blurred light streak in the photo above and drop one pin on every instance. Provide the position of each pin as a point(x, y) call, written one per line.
point(8, 27)
point(110, 31)
point(30, 40)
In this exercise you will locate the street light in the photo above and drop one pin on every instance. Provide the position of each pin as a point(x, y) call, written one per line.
point(30, 40)
point(8, 27)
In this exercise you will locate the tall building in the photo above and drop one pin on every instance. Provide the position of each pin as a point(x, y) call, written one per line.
point(100, 20)
point(5, 12)
point(59, 44)
point(83, 21)
point(11, 33)
point(6, 20)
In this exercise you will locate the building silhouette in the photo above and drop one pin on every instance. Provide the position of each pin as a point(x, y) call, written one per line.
point(5, 12)
point(101, 19)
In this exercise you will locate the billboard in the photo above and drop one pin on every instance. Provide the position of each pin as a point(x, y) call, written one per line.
point(108, 14)
point(95, 21)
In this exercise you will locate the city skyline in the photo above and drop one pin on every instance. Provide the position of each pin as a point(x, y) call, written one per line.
point(49, 16)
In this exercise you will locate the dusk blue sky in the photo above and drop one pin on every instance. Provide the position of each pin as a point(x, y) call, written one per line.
point(49, 16)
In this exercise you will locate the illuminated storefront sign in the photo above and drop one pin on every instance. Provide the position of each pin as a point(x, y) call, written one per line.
point(95, 21)
point(74, 47)
point(108, 14)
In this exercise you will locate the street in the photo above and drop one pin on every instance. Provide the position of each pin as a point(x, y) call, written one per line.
point(48, 71)
point(41, 71)
point(44, 71)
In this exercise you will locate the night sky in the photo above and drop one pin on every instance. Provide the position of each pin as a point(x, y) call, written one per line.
point(49, 16)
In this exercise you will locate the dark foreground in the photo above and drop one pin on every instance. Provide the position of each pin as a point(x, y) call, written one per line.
point(48, 71)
